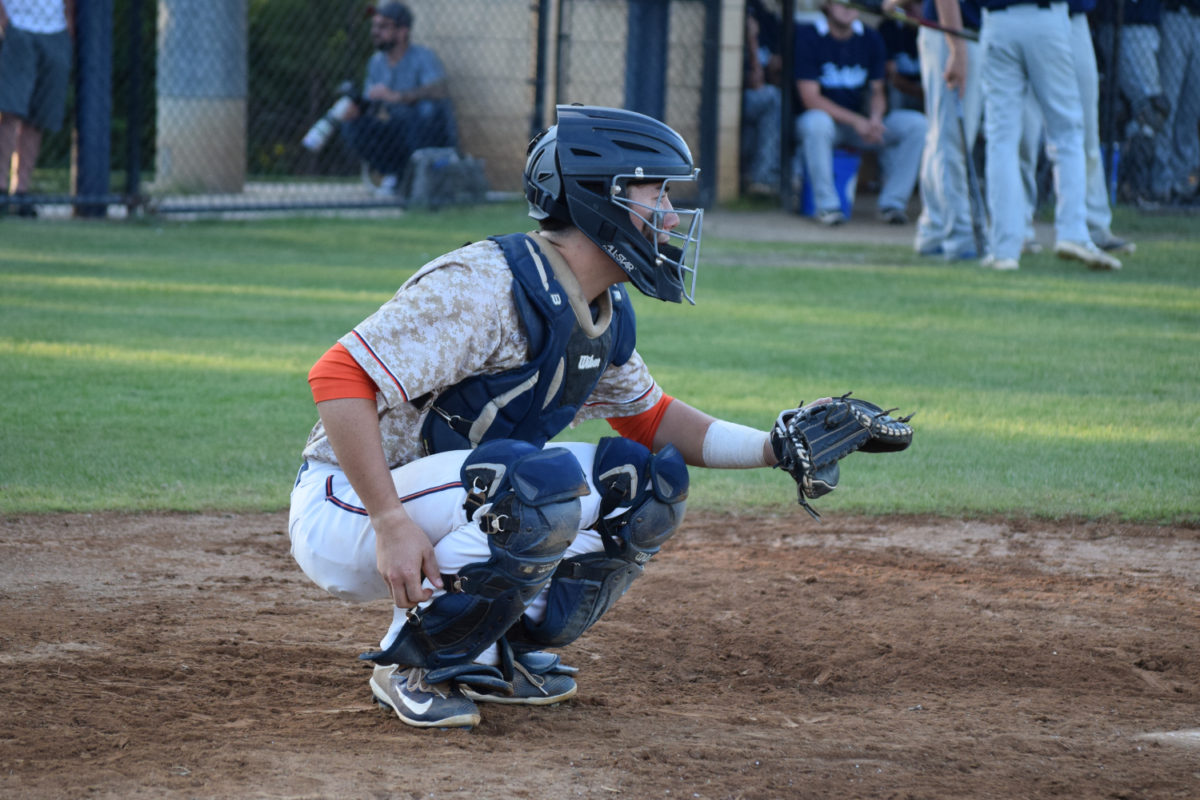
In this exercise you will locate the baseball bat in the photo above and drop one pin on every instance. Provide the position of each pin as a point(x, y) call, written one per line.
point(976, 198)
point(917, 22)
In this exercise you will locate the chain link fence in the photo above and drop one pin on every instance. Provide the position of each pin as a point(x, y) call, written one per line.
point(224, 105)
point(1149, 56)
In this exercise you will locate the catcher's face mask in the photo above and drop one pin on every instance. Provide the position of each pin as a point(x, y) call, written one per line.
point(586, 171)
point(671, 234)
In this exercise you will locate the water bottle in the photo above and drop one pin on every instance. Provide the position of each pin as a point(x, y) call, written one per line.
point(318, 135)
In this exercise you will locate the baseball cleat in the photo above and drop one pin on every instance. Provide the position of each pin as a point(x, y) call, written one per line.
point(537, 679)
point(1111, 243)
point(830, 217)
point(1001, 264)
point(1088, 253)
point(419, 703)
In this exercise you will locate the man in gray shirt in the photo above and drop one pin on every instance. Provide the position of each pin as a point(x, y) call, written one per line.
point(404, 104)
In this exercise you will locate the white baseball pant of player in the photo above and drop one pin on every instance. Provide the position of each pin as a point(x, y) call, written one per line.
point(334, 543)
point(1099, 213)
point(945, 222)
point(1026, 45)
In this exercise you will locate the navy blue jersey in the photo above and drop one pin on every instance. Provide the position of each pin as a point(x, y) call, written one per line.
point(900, 41)
point(1136, 12)
point(968, 8)
point(843, 68)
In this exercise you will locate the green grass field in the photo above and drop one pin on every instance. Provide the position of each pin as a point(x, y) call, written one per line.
point(161, 366)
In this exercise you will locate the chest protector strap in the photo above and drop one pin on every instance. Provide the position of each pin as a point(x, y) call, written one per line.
point(533, 402)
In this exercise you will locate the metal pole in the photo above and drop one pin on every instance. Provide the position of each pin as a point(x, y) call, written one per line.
point(133, 98)
point(537, 120)
point(787, 80)
point(93, 102)
point(708, 104)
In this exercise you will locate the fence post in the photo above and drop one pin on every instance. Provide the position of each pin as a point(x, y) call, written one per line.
point(202, 86)
point(93, 103)
point(646, 57)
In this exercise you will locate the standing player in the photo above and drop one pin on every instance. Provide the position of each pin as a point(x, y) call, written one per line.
point(1027, 46)
point(428, 480)
point(950, 75)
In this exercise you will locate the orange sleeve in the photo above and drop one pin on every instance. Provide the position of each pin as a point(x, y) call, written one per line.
point(337, 375)
point(642, 427)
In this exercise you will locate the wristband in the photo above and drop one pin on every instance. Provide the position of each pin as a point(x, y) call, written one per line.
point(728, 445)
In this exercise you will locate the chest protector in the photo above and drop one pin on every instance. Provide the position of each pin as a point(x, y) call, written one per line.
point(534, 402)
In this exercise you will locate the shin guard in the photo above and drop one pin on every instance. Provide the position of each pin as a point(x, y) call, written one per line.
point(643, 497)
point(527, 502)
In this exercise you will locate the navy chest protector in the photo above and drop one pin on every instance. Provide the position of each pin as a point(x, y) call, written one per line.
point(537, 400)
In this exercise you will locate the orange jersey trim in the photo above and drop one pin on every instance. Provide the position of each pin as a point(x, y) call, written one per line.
point(337, 375)
point(642, 427)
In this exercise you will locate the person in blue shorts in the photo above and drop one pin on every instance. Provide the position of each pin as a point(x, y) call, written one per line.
point(35, 67)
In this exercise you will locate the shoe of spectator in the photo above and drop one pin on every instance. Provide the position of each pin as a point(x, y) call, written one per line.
point(387, 186)
point(930, 250)
point(760, 189)
point(830, 217)
point(1000, 264)
point(962, 255)
point(23, 209)
point(1030, 247)
point(1088, 253)
point(1106, 241)
point(893, 216)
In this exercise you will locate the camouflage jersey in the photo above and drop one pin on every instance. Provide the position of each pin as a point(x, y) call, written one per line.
point(454, 319)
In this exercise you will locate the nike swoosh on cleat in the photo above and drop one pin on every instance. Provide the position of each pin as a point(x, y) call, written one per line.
point(416, 708)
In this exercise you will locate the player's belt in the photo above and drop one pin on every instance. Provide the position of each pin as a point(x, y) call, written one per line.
point(1039, 4)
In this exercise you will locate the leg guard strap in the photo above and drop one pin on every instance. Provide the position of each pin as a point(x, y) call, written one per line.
point(527, 501)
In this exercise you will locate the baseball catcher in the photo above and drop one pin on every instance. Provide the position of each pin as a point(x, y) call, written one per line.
point(431, 480)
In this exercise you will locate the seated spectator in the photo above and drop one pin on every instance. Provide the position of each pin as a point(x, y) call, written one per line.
point(404, 105)
point(762, 103)
point(903, 66)
point(839, 71)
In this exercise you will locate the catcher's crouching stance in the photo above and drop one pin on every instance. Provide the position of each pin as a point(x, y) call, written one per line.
point(429, 479)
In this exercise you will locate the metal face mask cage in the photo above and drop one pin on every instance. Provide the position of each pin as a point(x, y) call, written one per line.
point(679, 256)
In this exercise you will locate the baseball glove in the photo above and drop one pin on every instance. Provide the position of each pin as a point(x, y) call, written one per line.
point(809, 441)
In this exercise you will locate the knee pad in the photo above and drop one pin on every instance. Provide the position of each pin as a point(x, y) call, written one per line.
point(527, 502)
point(642, 502)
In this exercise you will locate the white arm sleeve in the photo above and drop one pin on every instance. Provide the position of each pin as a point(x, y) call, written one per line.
point(728, 445)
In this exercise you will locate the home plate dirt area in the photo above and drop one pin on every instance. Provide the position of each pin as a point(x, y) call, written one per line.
point(151, 656)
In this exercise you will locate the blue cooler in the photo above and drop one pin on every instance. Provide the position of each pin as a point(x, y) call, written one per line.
point(845, 180)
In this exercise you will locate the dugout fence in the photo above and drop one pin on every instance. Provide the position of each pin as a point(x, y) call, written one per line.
point(180, 106)
point(187, 106)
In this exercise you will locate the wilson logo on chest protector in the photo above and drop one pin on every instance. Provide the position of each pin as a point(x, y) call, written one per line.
point(588, 362)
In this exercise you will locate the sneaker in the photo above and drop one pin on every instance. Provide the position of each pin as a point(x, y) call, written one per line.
point(1030, 247)
point(893, 216)
point(760, 189)
point(23, 207)
point(962, 255)
point(1001, 264)
point(387, 186)
point(1106, 241)
point(929, 250)
point(830, 217)
point(419, 703)
point(537, 679)
point(1088, 253)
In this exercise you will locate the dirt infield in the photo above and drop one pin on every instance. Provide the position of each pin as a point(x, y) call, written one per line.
point(186, 656)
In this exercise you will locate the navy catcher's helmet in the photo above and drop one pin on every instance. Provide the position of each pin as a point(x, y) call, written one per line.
point(578, 172)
